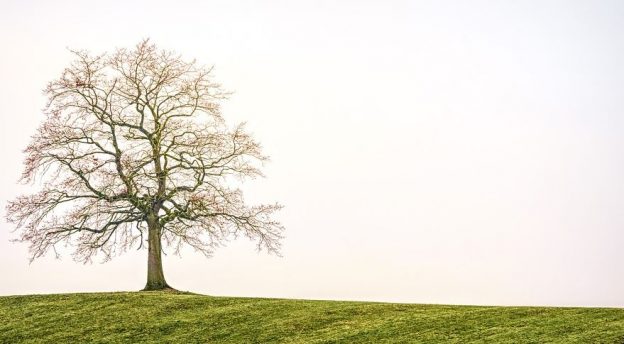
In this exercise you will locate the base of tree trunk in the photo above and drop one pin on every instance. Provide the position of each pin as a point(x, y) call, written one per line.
point(165, 287)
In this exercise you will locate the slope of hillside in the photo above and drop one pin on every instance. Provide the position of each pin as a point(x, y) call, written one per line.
point(165, 317)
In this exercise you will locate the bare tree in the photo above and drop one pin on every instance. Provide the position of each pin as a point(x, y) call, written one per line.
point(134, 152)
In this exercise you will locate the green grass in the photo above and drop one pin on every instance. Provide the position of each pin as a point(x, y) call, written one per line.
point(166, 317)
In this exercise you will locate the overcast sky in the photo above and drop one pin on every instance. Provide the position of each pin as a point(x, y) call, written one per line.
point(463, 152)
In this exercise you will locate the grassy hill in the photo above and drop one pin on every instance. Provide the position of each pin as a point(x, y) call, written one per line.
point(165, 317)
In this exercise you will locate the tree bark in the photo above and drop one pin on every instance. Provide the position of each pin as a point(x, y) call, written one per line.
point(155, 275)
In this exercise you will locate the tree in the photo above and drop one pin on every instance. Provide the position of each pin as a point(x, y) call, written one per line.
point(134, 151)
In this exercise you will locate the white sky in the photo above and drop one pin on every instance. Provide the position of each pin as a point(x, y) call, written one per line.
point(426, 151)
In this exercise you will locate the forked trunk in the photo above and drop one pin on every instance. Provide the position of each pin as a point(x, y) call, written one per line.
point(155, 275)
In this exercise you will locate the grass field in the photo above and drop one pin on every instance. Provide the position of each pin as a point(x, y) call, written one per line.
point(166, 317)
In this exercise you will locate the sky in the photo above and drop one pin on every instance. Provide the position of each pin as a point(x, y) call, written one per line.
point(446, 152)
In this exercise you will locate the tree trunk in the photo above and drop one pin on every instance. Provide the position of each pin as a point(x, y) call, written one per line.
point(155, 275)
